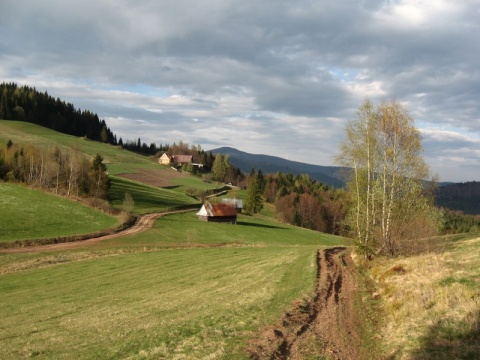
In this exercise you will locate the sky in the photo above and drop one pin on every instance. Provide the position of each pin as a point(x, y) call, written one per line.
point(272, 77)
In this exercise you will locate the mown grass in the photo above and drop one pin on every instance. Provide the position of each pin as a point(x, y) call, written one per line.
point(26, 213)
point(104, 302)
point(185, 230)
point(147, 198)
point(193, 182)
point(118, 161)
point(432, 302)
point(170, 292)
point(184, 289)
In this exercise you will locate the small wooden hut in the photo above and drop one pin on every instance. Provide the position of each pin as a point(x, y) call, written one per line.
point(218, 212)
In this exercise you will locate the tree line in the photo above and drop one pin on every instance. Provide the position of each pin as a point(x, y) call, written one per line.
point(24, 103)
point(62, 171)
point(457, 222)
point(307, 203)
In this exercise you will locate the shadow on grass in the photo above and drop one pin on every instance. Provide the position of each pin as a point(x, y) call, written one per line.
point(171, 187)
point(451, 340)
point(242, 223)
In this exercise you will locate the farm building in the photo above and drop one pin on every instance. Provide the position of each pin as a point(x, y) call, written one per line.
point(218, 212)
point(182, 159)
point(165, 159)
point(237, 203)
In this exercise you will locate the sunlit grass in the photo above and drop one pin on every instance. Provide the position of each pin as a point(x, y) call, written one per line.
point(186, 230)
point(118, 161)
point(432, 303)
point(194, 303)
point(147, 198)
point(26, 213)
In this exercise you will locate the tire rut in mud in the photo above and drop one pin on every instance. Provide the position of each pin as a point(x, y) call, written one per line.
point(325, 325)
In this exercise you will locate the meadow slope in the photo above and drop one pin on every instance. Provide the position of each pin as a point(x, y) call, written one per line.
point(185, 289)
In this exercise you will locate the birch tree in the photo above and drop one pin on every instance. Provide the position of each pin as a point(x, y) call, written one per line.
point(383, 148)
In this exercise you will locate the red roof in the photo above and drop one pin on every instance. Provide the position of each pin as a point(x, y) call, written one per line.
point(182, 158)
point(220, 209)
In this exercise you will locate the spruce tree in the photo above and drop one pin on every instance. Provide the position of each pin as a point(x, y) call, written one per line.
point(254, 201)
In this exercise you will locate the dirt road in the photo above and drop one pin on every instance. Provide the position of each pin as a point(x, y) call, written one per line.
point(143, 223)
point(326, 325)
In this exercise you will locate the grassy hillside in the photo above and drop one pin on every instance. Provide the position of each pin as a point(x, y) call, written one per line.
point(147, 198)
point(431, 302)
point(31, 214)
point(188, 289)
point(184, 289)
point(118, 161)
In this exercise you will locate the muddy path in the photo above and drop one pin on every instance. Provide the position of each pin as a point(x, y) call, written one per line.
point(325, 326)
point(143, 223)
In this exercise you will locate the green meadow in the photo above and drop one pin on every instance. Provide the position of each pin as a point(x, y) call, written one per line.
point(26, 213)
point(185, 289)
point(147, 198)
point(118, 161)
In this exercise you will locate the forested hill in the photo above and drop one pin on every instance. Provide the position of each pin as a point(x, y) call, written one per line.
point(25, 103)
point(460, 196)
point(328, 175)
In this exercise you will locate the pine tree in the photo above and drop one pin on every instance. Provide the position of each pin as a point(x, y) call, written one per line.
point(219, 168)
point(5, 113)
point(101, 182)
point(254, 201)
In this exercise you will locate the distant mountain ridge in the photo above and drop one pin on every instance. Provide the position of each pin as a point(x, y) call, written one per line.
point(329, 175)
point(455, 196)
point(460, 196)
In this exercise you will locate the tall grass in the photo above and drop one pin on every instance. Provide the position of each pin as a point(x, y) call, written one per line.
point(432, 303)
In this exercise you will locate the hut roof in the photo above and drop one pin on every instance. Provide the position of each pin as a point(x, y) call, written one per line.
point(217, 209)
point(182, 158)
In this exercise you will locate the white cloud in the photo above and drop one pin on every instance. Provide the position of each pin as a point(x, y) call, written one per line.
point(267, 77)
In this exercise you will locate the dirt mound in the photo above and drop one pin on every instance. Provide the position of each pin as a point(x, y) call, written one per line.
point(326, 325)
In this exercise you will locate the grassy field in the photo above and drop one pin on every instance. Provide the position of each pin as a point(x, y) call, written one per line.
point(147, 198)
point(184, 289)
point(118, 161)
point(188, 289)
point(185, 230)
point(432, 302)
point(31, 214)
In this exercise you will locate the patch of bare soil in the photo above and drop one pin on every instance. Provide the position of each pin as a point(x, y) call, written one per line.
point(326, 326)
point(159, 178)
point(143, 223)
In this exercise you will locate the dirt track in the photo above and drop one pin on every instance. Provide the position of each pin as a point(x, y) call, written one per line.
point(326, 325)
point(143, 223)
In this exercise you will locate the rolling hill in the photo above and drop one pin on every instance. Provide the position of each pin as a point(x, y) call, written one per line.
point(329, 175)
point(454, 196)
point(460, 196)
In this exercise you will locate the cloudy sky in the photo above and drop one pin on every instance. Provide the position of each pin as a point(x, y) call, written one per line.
point(268, 77)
